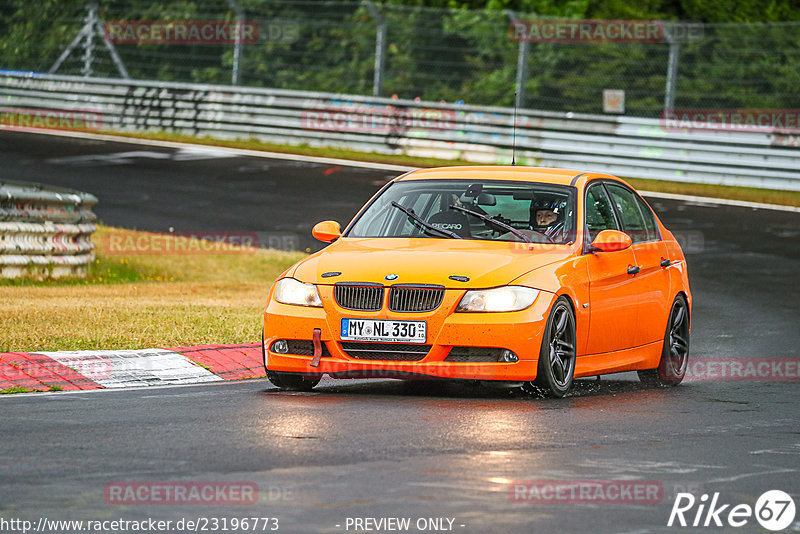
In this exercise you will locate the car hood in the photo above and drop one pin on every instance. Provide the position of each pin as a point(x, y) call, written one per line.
point(428, 261)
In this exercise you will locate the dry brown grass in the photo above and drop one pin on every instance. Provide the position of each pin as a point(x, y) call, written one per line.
point(142, 301)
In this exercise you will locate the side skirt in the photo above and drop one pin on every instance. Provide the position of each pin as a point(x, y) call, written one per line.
point(644, 357)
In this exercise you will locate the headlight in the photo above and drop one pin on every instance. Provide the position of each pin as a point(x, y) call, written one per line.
point(501, 299)
point(291, 291)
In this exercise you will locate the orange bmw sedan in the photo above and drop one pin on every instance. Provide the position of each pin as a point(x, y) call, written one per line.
point(526, 276)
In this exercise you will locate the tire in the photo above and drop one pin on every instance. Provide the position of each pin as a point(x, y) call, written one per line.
point(675, 352)
point(287, 381)
point(556, 369)
point(291, 381)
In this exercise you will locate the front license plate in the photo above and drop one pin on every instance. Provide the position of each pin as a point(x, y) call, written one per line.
point(383, 330)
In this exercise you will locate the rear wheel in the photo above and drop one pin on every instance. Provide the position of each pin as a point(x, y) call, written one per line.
point(291, 381)
point(557, 356)
point(675, 353)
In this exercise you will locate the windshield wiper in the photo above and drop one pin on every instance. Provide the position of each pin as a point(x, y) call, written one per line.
point(492, 220)
point(425, 226)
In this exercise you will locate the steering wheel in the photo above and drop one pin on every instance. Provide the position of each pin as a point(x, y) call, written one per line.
point(550, 239)
point(535, 242)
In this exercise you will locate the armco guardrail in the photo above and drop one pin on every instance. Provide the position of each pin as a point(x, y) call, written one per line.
point(45, 231)
point(625, 146)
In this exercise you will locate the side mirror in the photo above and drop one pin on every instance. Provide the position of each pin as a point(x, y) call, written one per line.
point(327, 231)
point(611, 241)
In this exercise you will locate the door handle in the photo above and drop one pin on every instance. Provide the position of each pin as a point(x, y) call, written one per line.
point(633, 269)
point(665, 263)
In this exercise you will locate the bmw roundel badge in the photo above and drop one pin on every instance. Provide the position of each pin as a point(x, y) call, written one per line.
point(391, 277)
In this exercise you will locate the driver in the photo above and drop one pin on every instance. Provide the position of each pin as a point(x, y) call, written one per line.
point(549, 222)
point(546, 217)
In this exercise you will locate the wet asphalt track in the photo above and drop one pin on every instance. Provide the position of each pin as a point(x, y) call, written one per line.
point(388, 449)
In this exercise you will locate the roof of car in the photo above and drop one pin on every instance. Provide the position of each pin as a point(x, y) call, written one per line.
point(491, 172)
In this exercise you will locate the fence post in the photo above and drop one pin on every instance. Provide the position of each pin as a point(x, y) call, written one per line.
point(522, 65)
point(88, 42)
point(672, 70)
point(86, 34)
point(380, 48)
point(237, 46)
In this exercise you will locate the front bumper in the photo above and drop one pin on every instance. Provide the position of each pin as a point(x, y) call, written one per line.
point(520, 332)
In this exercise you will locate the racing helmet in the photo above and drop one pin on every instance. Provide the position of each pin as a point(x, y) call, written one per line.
point(556, 205)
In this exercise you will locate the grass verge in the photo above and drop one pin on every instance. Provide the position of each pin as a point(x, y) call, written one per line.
point(143, 301)
point(14, 389)
point(17, 389)
point(768, 196)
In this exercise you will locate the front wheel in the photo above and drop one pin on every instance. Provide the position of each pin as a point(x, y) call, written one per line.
point(675, 353)
point(557, 356)
point(287, 381)
point(291, 381)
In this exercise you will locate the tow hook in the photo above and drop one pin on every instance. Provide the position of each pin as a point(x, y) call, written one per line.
point(317, 347)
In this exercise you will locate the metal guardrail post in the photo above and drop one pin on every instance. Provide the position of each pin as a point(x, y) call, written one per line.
point(45, 232)
point(380, 48)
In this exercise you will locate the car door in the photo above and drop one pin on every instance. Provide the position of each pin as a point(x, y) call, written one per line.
point(613, 299)
point(649, 251)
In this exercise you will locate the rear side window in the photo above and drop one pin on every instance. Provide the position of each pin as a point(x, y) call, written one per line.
point(599, 214)
point(633, 222)
point(649, 219)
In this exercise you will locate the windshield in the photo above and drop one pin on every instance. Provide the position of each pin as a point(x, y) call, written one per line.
point(484, 210)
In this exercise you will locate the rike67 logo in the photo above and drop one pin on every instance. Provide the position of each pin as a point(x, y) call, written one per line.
point(774, 510)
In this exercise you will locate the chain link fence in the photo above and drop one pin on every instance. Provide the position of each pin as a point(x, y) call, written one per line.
point(478, 57)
